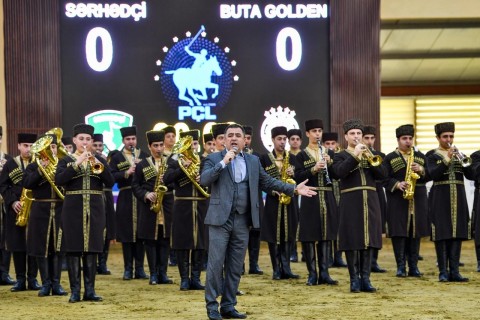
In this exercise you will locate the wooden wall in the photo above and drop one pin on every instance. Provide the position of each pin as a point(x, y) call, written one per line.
point(33, 75)
point(32, 67)
point(355, 63)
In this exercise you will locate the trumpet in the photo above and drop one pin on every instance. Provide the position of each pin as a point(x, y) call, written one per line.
point(374, 160)
point(462, 158)
point(97, 166)
point(321, 149)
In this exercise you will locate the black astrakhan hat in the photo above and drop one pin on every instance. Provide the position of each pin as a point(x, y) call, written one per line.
point(218, 129)
point(155, 136)
point(294, 132)
point(83, 128)
point(405, 130)
point(313, 123)
point(67, 140)
point(369, 130)
point(194, 133)
point(170, 129)
point(248, 130)
point(27, 137)
point(207, 137)
point(444, 127)
point(128, 131)
point(277, 131)
point(352, 124)
point(98, 137)
point(330, 136)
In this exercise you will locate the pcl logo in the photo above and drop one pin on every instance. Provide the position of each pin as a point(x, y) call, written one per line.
point(196, 76)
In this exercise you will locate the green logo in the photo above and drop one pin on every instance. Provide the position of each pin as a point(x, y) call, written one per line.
point(108, 123)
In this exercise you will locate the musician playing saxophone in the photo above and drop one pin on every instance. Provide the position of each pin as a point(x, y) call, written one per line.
point(11, 185)
point(407, 220)
point(189, 210)
point(154, 227)
point(318, 215)
point(280, 216)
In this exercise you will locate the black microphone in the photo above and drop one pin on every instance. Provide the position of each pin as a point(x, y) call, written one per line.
point(235, 150)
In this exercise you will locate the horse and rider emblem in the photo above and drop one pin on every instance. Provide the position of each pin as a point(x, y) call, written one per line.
point(196, 72)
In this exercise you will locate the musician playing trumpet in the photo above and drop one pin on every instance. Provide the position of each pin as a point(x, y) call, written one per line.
point(448, 202)
point(83, 212)
point(154, 225)
point(189, 210)
point(407, 220)
point(360, 229)
point(318, 215)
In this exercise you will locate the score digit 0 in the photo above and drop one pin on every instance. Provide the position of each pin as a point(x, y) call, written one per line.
point(91, 49)
point(296, 43)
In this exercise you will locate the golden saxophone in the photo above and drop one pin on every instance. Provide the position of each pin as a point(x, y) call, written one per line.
point(183, 148)
point(26, 200)
point(410, 177)
point(284, 199)
point(159, 189)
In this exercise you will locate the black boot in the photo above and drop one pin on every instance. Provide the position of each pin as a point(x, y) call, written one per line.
point(413, 249)
point(399, 244)
point(366, 267)
point(352, 265)
point(139, 254)
point(127, 248)
point(285, 269)
point(477, 253)
point(162, 261)
point(172, 258)
point(55, 268)
point(293, 251)
point(151, 251)
point(32, 272)
point(183, 267)
point(454, 261)
point(254, 252)
point(274, 251)
point(309, 254)
point(102, 260)
point(20, 263)
point(196, 270)
point(375, 267)
point(5, 279)
point(323, 251)
point(73, 264)
point(337, 256)
point(45, 276)
point(442, 258)
point(89, 272)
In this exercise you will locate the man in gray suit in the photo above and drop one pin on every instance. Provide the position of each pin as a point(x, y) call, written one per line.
point(234, 178)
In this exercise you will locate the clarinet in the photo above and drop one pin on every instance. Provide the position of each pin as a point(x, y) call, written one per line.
point(327, 176)
point(132, 150)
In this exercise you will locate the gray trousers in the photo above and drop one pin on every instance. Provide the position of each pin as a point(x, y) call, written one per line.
point(226, 253)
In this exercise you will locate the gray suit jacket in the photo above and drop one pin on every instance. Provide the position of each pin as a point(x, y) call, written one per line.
point(221, 183)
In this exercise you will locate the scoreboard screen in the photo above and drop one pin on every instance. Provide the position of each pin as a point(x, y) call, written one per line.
point(193, 63)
